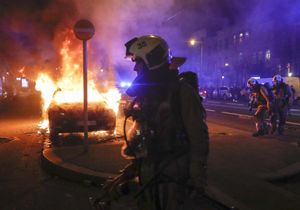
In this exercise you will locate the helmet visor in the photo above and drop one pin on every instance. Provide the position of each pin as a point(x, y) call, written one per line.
point(128, 45)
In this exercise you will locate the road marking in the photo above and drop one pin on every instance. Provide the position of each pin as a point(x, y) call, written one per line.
point(295, 110)
point(244, 116)
point(292, 123)
point(210, 110)
point(238, 115)
point(236, 104)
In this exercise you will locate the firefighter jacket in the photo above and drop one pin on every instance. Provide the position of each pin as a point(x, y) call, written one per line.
point(173, 124)
point(283, 94)
point(261, 95)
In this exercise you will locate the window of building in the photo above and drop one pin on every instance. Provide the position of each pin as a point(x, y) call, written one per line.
point(268, 55)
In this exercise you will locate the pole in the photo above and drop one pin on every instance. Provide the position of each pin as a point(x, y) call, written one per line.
point(201, 61)
point(201, 57)
point(85, 96)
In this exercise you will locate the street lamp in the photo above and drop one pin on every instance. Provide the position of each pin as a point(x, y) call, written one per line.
point(193, 42)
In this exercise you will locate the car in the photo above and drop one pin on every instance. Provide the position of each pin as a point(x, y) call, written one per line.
point(223, 93)
point(68, 118)
point(203, 93)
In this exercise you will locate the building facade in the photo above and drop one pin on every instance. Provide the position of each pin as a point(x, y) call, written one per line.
point(234, 54)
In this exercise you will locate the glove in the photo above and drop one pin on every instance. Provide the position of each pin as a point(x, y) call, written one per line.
point(197, 185)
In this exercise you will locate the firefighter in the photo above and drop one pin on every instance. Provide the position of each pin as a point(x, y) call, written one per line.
point(169, 142)
point(283, 100)
point(261, 97)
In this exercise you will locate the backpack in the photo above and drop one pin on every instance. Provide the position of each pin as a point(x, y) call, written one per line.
point(163, 130)
point(191, 79)
point(270, 91)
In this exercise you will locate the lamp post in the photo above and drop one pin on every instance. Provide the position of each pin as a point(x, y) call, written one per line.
point(193, 42)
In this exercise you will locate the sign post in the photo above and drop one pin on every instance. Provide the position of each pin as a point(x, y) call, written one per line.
point(84, 30)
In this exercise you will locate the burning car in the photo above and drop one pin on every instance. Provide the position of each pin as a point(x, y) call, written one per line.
point(68, 118)
point(62, 95)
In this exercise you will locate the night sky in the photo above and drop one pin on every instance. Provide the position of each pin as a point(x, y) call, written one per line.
point(31, 31)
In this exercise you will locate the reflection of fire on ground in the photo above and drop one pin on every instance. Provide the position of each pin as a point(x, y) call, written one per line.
point(63, 99)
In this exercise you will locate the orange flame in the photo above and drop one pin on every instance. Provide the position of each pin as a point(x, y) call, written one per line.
point(69, 88)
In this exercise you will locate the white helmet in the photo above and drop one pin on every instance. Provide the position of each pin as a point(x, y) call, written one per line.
point(153, 50)
point(251, 81)
point(277, 79)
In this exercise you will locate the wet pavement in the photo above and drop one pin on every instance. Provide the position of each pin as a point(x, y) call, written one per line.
point(244, 172)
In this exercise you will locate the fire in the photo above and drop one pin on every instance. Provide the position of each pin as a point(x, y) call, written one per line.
point(69, 88)
point(46, 86)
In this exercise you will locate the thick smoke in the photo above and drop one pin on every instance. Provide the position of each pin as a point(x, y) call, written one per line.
point(28, 32)
point(277, 11)
point(117, 22)
point(32, 31)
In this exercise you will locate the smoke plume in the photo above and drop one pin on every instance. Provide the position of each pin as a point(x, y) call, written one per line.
point(32, 31)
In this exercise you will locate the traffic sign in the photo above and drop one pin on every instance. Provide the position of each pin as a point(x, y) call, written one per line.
point(84, 29)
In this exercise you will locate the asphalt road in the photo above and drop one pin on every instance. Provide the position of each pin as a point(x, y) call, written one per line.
point(24, 185)
point(237, 115)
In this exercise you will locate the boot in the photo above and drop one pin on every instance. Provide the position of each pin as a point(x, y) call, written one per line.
point(280, 130)
point(273, 129)
point(266, 130)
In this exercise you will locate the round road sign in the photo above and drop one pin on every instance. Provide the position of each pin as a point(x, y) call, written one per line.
point(84, 29)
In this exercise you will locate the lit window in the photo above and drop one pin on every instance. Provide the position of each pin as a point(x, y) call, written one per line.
point(241, 37)
point(24, 83)
point(268, 55)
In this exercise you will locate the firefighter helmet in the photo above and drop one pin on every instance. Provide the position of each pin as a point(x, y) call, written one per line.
point(153, 50)
point(251, 82)
point(277, 79)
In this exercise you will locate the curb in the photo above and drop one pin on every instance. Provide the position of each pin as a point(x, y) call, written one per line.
point(283, 174)
point(55, 165)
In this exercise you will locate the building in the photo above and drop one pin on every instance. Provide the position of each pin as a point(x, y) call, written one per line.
point(236, 53)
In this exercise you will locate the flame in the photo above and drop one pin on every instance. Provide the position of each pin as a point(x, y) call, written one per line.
point(69, 88)
point(46, 86)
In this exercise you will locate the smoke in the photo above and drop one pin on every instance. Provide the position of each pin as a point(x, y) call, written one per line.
point(32, 31)
point(117, 21)
point(281, 13)
point(27, 33)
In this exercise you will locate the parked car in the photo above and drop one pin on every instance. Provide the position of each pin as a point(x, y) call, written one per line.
point(223, 93)
point(203, 93)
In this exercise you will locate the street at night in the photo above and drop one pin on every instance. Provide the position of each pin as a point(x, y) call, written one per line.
point(26, 185)
point(150, 105)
